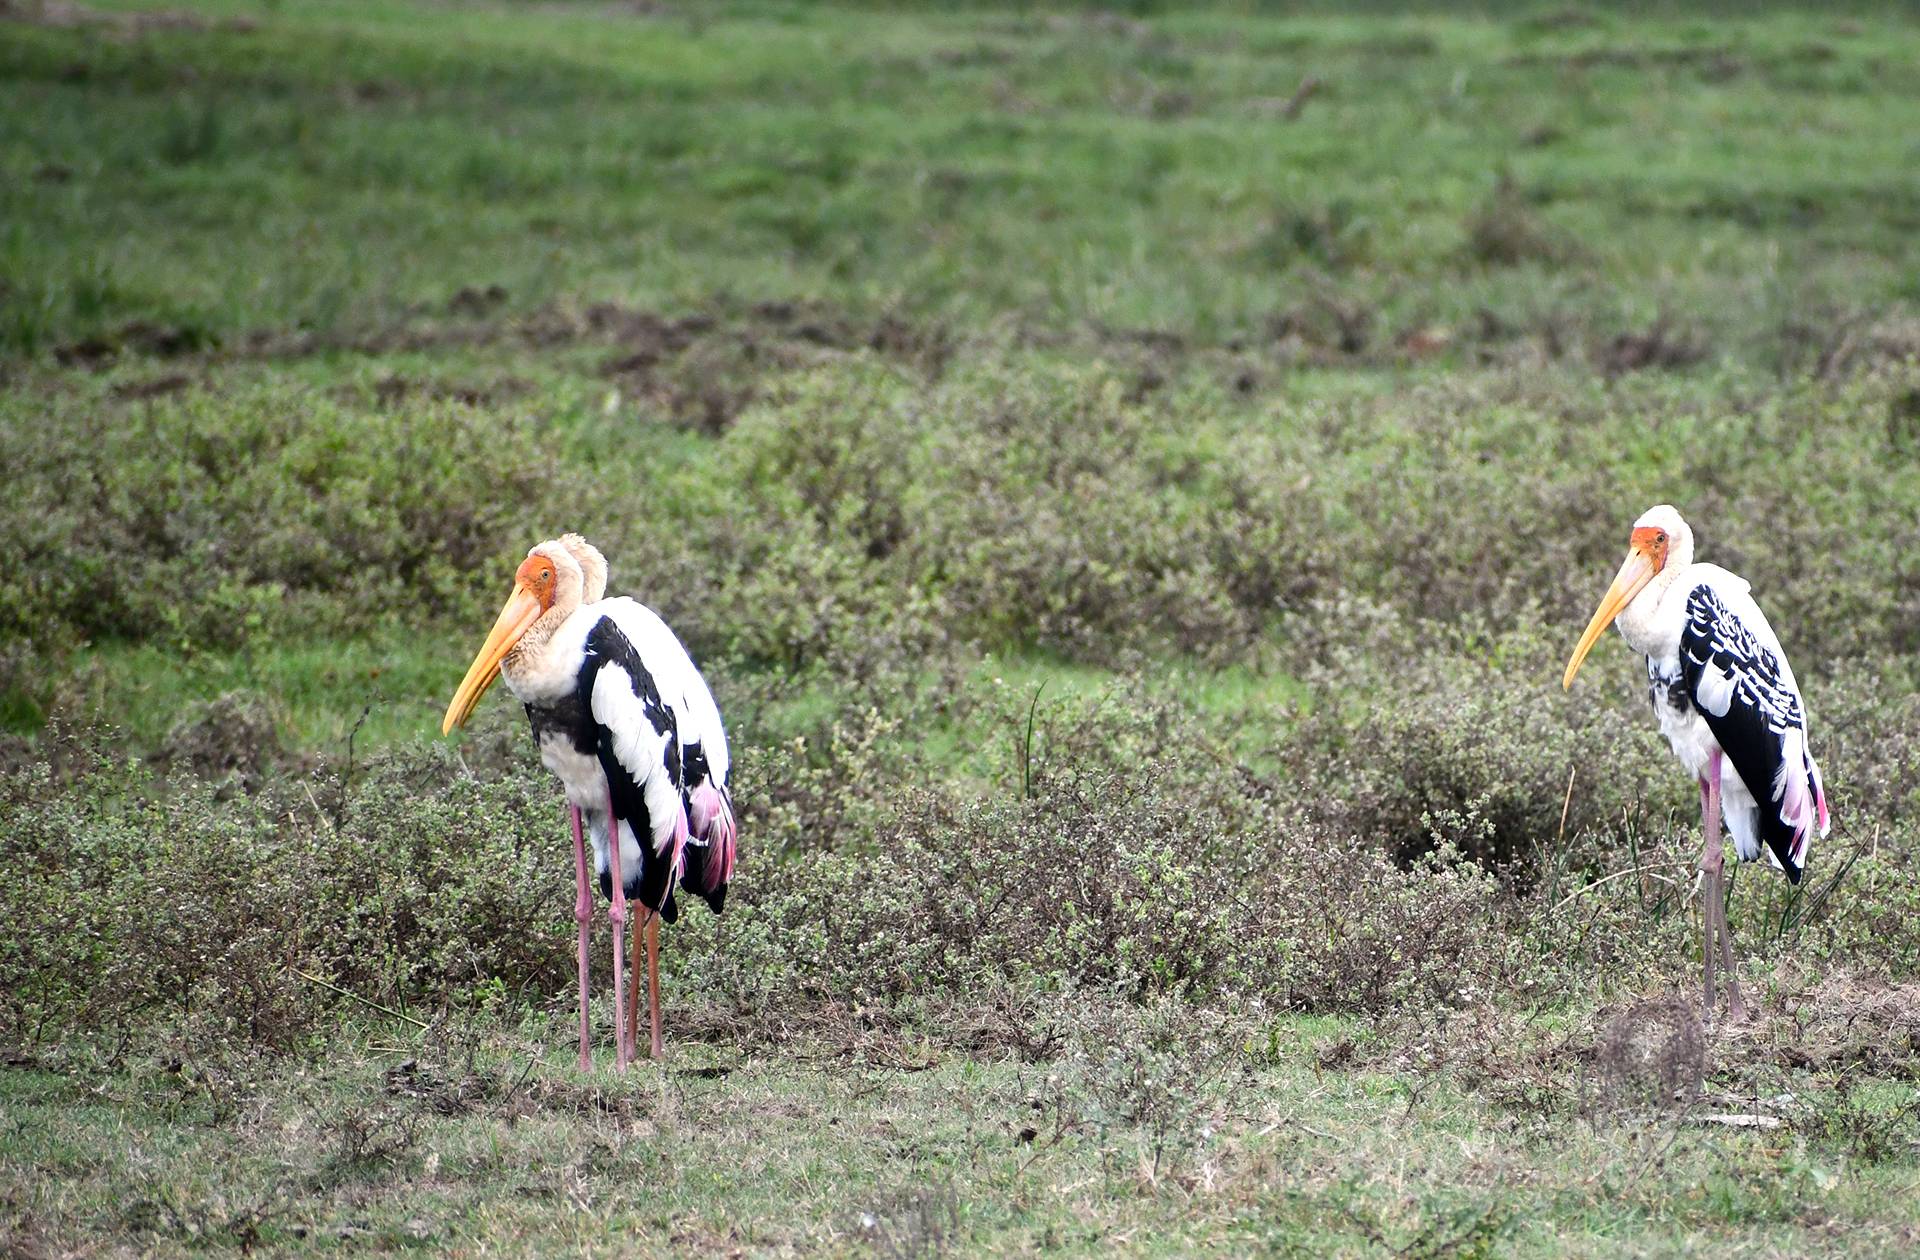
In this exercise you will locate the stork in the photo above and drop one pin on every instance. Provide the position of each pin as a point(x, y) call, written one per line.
point(623, 718)
point(1726, 699)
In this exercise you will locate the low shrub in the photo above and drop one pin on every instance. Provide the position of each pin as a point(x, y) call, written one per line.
point(203, 521)
point(1403, 749)
point(143, 903)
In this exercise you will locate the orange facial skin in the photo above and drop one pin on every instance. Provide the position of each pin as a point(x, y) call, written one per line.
point(534, 584)
point(536, 574)
point(1651, 543)
point(1646, 556)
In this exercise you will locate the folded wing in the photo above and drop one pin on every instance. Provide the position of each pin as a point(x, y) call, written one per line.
point(1739, 679)
point(708, 845)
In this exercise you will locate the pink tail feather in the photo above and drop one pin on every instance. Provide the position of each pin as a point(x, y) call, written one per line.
point(714, 826)
point(679, 847)
point(1808, 828)
point(1820, 798)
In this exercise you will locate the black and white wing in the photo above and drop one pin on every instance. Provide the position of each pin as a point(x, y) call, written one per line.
point(707, 843)
point(639, 751)
point(1738, 676)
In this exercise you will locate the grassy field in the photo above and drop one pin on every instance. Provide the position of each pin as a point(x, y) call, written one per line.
point(1133, 479)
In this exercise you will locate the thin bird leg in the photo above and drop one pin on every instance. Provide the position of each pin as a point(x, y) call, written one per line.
point(653, 980)
point(1736, 1009)
point(634, 966)
point(583, 915)
point(619, 917)
point(1709, 866)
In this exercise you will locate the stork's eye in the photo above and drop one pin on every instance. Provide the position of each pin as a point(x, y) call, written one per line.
point(1661, 537)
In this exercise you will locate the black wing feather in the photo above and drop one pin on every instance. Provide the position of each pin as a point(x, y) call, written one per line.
point(607, 645)
point(1718, 649)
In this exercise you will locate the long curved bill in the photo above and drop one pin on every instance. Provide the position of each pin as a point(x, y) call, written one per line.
point(1633, 576)
point(521, 611)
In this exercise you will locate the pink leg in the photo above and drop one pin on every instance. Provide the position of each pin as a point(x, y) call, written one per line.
point(635, 964)
point(1714, 908)
point(583, 915)
point(653, 982)
point(619, 917)
point(1736, 1009)
point(1709, 863)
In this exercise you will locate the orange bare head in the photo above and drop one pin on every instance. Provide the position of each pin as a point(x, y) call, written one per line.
point(1655, 538)
point(549, 576)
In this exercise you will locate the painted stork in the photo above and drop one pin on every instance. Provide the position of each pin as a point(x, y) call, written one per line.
point(622, 717)
point(1724, 696)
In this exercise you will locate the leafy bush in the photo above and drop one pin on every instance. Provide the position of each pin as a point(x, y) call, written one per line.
point(862, 523)
point(203, 522)
point(1394, 868)
point(142, 904)
point(1485, 732)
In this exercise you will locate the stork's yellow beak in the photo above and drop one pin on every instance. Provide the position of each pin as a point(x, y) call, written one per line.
point(522, 610)
point(1632, 578)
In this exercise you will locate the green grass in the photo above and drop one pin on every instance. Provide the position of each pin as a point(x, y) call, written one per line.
point(322, 167)
point(320, 688)
point(1126, 527)
point(773, 1155)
